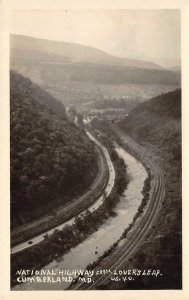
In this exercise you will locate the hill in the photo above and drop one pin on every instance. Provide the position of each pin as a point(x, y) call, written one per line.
point(24, 86)
point(57, 74)
point(157, 121)
point(52, 51)
point(50, 156)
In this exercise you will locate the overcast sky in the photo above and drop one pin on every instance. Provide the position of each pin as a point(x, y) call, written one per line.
point(152, 35)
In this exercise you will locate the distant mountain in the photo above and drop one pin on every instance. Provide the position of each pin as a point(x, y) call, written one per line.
point(59, 72)
point(26, 47)
point(51, 63)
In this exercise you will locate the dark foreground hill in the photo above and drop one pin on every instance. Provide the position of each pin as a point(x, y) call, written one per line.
point(51, 159)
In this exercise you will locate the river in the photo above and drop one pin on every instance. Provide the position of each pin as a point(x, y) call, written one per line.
point(107, 234)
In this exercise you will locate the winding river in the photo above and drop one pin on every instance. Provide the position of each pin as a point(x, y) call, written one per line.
point(107, 234)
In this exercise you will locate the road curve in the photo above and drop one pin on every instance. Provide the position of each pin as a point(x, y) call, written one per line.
point(139, 232)
point(107, 188)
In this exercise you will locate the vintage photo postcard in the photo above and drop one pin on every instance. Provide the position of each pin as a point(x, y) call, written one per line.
point(94, 193)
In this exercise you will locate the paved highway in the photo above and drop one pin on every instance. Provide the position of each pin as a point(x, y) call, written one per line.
point(107, 189)
point(139, 232)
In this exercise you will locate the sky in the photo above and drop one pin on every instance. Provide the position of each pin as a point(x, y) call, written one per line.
point(152, 35)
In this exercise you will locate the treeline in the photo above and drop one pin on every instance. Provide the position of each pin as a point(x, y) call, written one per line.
point(51, 159)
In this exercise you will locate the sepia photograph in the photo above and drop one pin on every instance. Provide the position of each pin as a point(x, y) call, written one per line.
point(95, 149)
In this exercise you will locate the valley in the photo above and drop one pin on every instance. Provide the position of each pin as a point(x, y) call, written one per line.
point(95, 165)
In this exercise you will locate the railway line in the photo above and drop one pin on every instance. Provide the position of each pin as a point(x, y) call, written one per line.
point(139, 232)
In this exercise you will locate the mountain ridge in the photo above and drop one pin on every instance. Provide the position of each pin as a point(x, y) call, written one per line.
point(72, 52)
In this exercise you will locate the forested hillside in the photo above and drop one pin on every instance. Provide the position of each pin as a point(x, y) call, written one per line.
point(157, 121)
point(24, 88)
point(51, 159)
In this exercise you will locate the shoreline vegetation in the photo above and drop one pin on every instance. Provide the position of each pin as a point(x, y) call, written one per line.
point(61, 241)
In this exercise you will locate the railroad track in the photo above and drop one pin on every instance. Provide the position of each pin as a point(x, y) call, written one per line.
point(144, 225)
